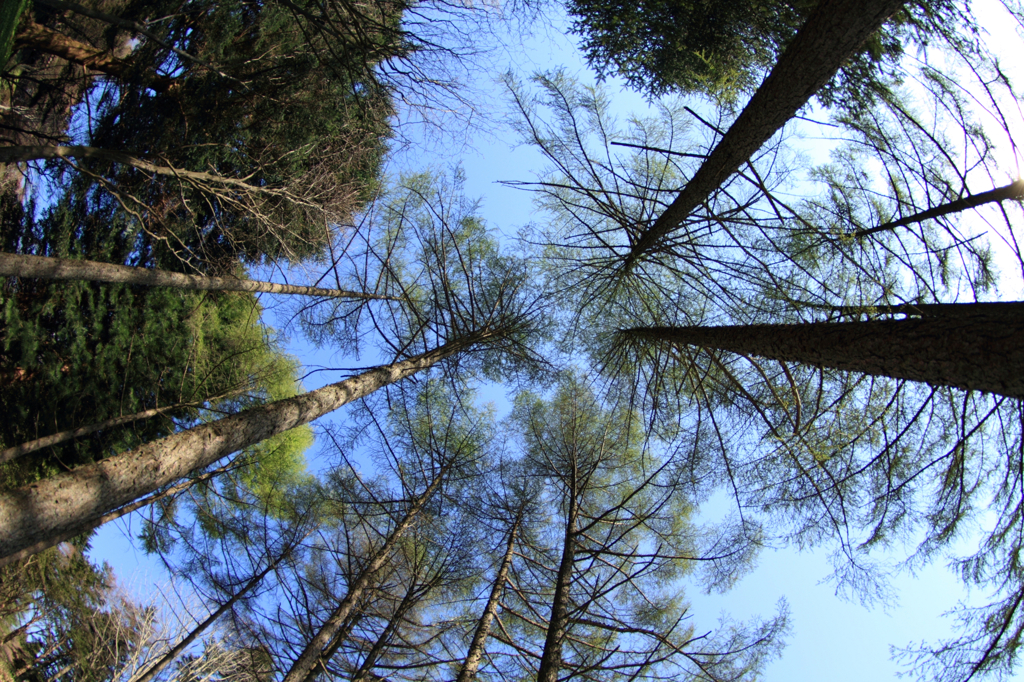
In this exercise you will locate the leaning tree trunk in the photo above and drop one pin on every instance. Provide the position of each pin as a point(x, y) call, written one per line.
point(365, 671)
point(39, 37)
point(47, 510)
point(31, 446)
point(833, 33)
point(1015, 190)
point(41, 267)
point(326, 639)
point(41, 152)
point(975, 349)
point(68, 534)
point(483, 628)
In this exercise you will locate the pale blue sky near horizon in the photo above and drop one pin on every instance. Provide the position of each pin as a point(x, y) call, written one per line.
point(831, 638)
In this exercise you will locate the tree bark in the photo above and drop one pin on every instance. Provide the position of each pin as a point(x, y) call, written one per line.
point(551, 659)
point(41, 267)
point(483, 628)
point(133, 26)
point(24, 153)
point(64, 436)
point(325, 638)
point(833, 33)
point(116, 514)
point(39, 37)
point(979, 350)
point(1015, 190)
point(34, 514)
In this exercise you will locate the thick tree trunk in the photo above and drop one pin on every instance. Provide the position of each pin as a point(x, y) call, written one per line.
point(39, 37)
point(483, 628)
point(325, 639)
point(66, 535)
point(133, 26)
point(36, 513)
point(40, 267)
point(833, 33)
point(979, 350)
point(1008, 309)
point(1015, 190)
point(551, 659)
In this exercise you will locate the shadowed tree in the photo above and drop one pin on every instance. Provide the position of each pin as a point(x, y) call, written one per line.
point(462, 296)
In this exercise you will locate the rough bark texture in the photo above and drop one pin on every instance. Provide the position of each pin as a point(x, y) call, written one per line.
point(303, 668)
point(1008, 309)
point(834, 32)
point(36, 513)
point(983, 351)
point(1015, 190)
point(69, 533)
point(63, 436)
point(40, 267)
point(483, 628)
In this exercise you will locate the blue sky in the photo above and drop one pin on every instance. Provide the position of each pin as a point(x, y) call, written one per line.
point(831, 638)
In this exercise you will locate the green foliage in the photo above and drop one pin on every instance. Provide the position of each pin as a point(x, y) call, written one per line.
point(63, 620)
point(724, 49)
point(10, 15)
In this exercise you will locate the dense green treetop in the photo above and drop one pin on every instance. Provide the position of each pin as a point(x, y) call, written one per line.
point(724, 48)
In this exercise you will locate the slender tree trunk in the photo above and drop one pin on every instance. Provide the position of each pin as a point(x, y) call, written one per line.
point(408, 601)
point(551, 659)
point(833, 33)
point(41, 267)
point(64, 436)
point(21, 154)
point(35, 514)
point(1015, 190)
point(483, 628)
point(155, 669)
point(326, 640)
point(980, 351)
point(39, 37)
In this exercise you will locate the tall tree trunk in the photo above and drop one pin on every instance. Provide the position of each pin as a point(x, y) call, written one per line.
point(126, 24)
point(36, 513)
point(833, 33)
point(1015, 190)
point(363, 674)
point(39, 37)
point(980, 350)
point(39, 152)
point(483, 627)
point(41, 267)
point(66, 535)
point(551, 659)
point(63, 436)
point(326, 640)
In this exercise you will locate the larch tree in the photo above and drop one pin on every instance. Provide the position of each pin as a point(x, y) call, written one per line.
point(462, 297)
point(594, 584)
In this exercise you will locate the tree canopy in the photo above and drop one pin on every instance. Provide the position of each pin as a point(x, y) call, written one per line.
point(821, 337)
